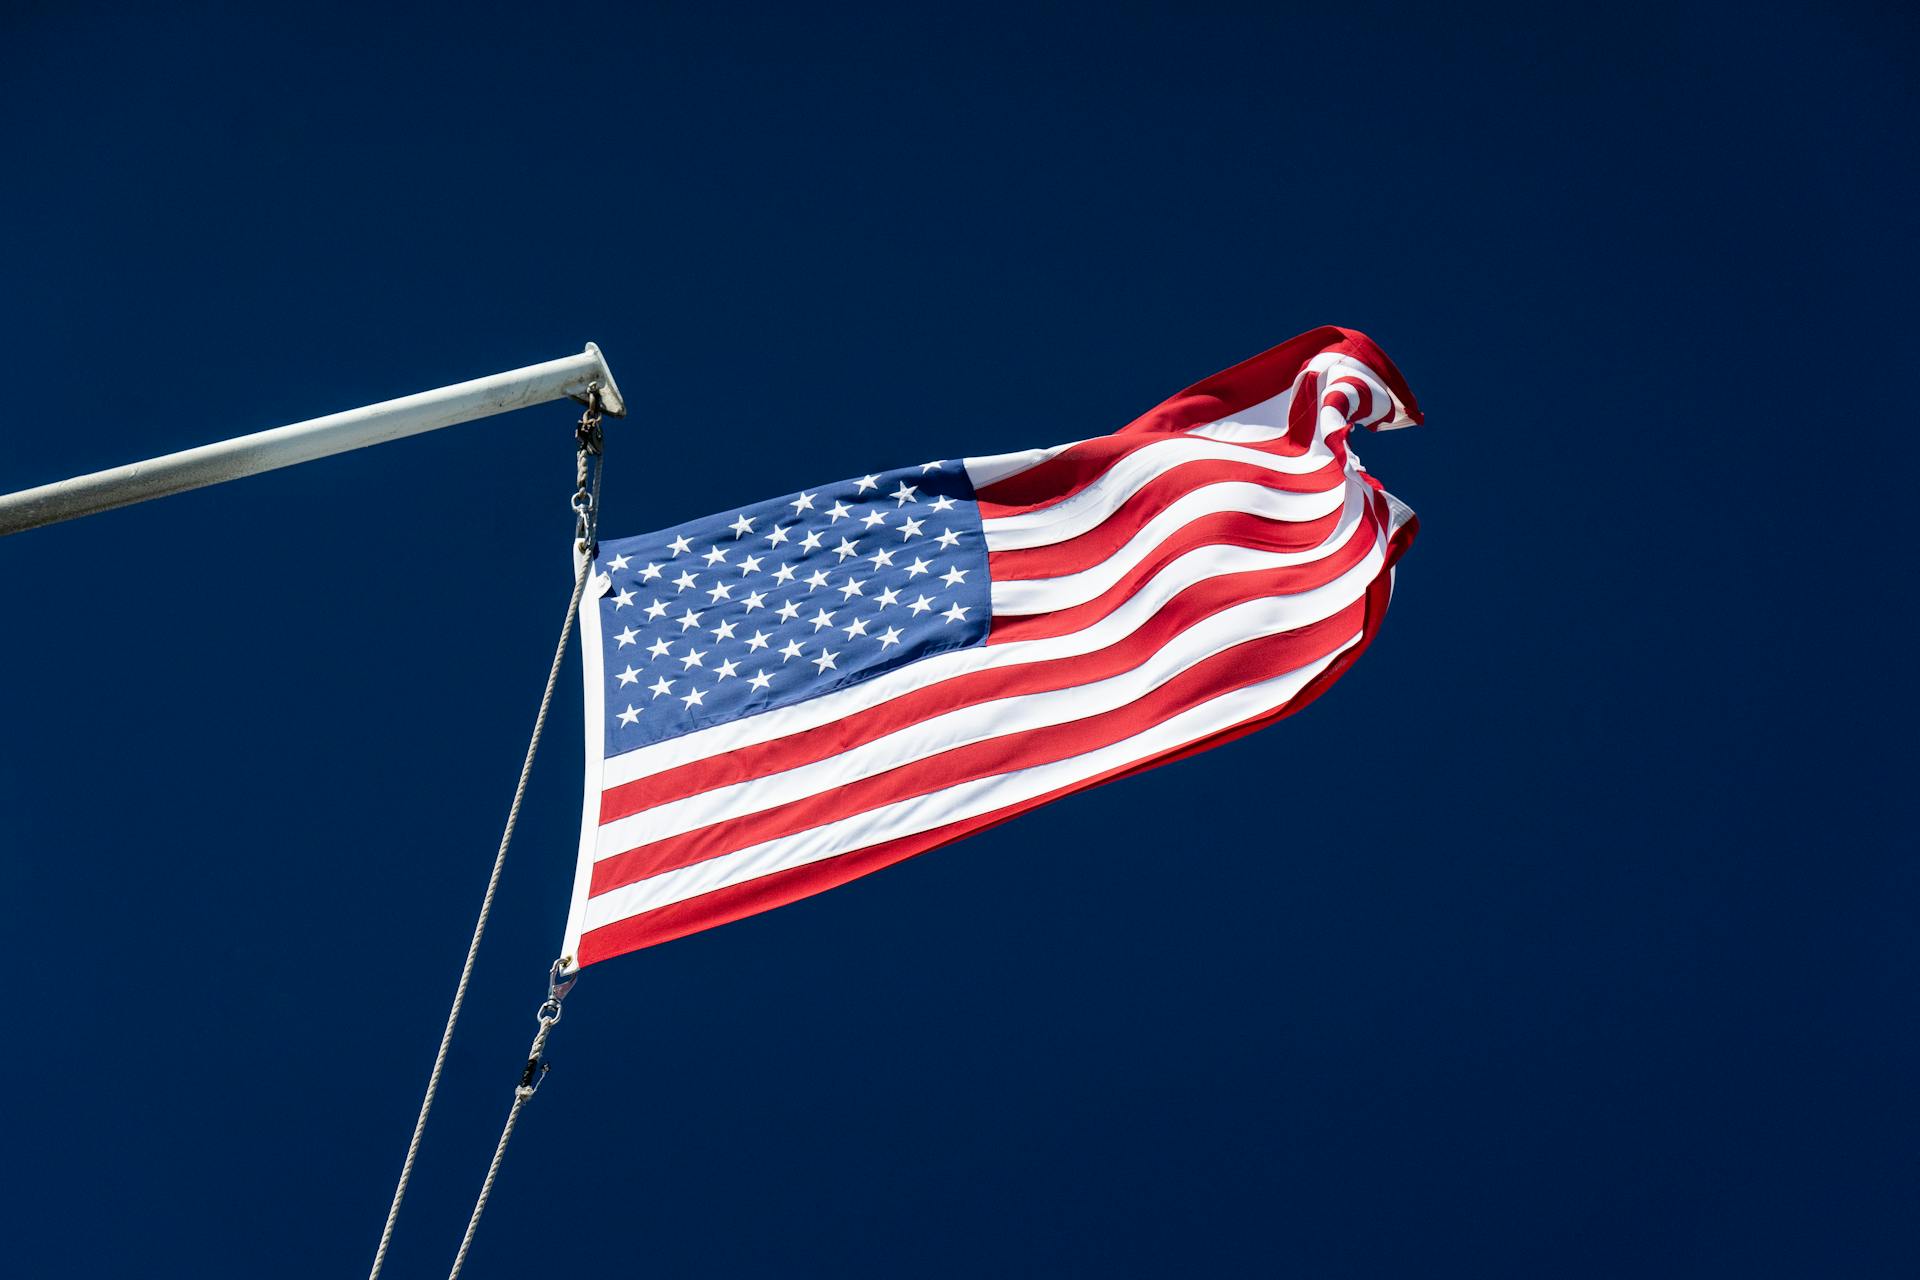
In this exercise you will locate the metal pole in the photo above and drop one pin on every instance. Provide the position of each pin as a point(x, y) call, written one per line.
point(314, 438)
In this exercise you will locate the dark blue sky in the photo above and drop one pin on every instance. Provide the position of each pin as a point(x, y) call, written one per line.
point(1570, 935)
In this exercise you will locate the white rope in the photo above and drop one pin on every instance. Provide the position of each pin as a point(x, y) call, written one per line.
point(529, 1085)
point(588, 512)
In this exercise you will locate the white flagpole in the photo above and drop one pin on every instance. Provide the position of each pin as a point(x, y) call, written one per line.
point(315, 438)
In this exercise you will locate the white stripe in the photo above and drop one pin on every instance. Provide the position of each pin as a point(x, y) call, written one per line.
point(954, 804)
point(1002, 718)
point(1233, 432)
point(982, 472)
point(1264, 421)
point(1195, 566)
point(1041, 595)
point(1253, 425)
point(1256, 423)
point(1268, 420)
point(1389, 413)
point(1092, 505)
point(1398, 512)
point(1346, 367)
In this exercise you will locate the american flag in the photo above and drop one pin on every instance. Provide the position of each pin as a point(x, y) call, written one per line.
point(794, 693)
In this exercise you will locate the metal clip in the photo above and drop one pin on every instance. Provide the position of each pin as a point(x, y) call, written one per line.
point(590, 443)
point(591, 439)
point(557, 986)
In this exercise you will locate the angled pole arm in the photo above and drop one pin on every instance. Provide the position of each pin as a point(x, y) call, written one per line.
point(314, 438)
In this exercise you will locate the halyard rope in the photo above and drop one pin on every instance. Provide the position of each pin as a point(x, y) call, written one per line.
point(586, 506)
point(529, 1085)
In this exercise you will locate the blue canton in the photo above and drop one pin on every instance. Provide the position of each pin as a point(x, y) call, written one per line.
point(782, 601)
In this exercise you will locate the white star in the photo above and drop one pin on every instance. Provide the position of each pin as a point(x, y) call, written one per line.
point(679, 545)
point(811, 542)
point(749, 564)
point(685, 580)
point(921, 605)
point(825, 661)
point(956, 614)
point(741, 527)
point(904, 494)
point(692, 659)
point(626, 637)
point(776, 536)
point(724, 670)
point(889, 638)
point(867, 482)
point(719, 591)
point(760, 680)
point(756, 641)
point(724, 631)
point(917, 568)
point(816, 579)
point(850, 588)
point(943, 503)
point(802, 503)
point(658, 609)
point(649, 573)
point(715, 555)
point(910, 529)
point(783, 574)
point(821, 619)
point(791, 651)
point(788, 611)
point(845, 549)
point(624, 599)
point(618, 562)
point(928, 466)
point(631, 715)
point(947, 538)
point(630, 675)
point(755, 600)
point(693, 699)
point(954, 576)
point(881, 558)
point(888, 596)
point(659, 648)
point(873, 518)
point(836, 512)
point(689, 619)
point(660, 686)
point(858, 627)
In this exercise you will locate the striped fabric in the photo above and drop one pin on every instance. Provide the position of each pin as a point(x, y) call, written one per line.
point(792, 694)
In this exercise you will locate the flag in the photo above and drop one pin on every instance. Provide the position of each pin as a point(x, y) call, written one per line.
point(791, 694)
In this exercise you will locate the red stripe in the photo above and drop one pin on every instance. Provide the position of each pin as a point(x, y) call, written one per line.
point(1221, 529)
point(1303, 412)
point(1266, 376)
point(1231, 391)
point(1097, 545)
point(736, 902)
point(1248, 662)
point(1360, 408)
point(1379, 594)
point(1176, 482)
point(1076, 469)
point(1192, 605)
